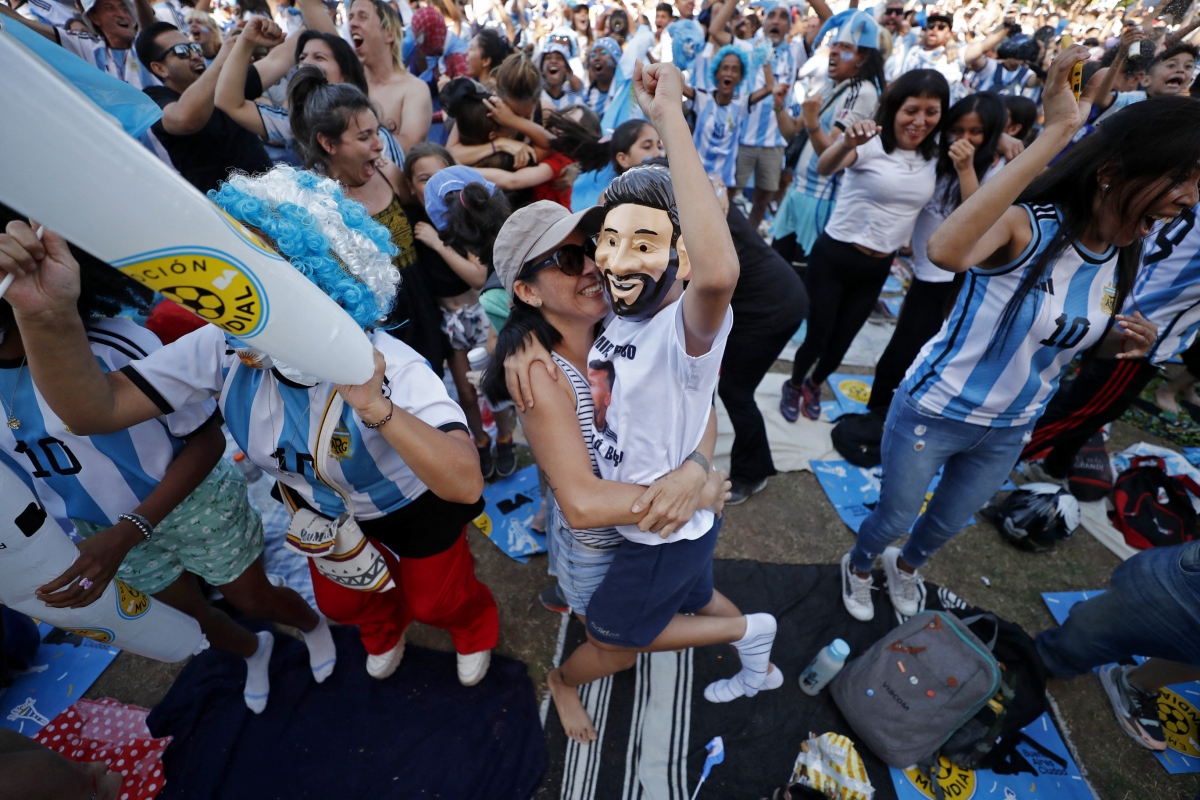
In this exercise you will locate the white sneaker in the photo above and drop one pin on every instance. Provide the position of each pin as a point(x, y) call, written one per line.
point(383, 665)
point(856, 593)
point(472, 667)
point(903, 587)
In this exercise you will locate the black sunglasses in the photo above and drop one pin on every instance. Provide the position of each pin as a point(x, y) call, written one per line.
point(939, 26)
point(893, 12)
point(569, 259)
point(183, 51)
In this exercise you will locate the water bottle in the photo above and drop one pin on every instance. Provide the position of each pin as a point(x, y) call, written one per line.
point(828, 663)
point(248, 468)
point(478, 358)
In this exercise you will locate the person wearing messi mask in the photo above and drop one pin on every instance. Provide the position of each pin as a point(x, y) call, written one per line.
point(388, 465)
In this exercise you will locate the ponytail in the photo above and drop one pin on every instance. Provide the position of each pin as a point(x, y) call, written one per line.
point(320, 108)
point(473, 219)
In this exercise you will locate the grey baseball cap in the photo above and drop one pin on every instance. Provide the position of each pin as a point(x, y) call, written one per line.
point(535, 231)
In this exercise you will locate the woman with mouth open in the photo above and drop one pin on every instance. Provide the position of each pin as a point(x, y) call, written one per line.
point(1049, 259)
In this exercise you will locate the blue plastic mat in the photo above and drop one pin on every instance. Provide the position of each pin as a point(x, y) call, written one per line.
point(67, 664)
point(511, 504)
point(854, 491)
point(1178, 705)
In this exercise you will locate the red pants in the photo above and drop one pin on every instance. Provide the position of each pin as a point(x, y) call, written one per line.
point(440, 590)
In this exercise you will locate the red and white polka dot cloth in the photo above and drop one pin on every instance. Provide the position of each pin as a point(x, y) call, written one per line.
point(108, 731)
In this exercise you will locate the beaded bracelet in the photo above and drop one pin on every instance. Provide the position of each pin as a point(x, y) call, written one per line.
point(139, 522)
point(374, 425)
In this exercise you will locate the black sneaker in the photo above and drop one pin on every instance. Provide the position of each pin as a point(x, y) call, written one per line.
point(506, 458)
point(1135, 710)
point(553, 600)
point(486, 465)
point(741, 491)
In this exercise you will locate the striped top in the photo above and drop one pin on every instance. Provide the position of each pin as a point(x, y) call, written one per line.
point(275, 421)
point(759, 129)
point(1167, 289)
point(568, 98)
point(593, 537)
point(974, 371)
point(92, 478)
point(595, 99)
point(717, 132)
point(842, 105)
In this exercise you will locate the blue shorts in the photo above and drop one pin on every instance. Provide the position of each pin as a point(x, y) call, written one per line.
point(647, 585)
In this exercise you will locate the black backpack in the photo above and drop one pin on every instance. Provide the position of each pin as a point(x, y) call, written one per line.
point(1091, 474)
point(1153, 509)
point(857, 437)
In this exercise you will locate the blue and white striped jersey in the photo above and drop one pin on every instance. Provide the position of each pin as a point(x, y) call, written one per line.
point(276, 421)
point(595, 99)
point(121, 64)
point(760, 128)
point(995, 78)
point(568, 98)
point(49, 12)
point(974, 371)
point(92, 478)
point(716, 133)
point(1167, 289)
point(843, 105)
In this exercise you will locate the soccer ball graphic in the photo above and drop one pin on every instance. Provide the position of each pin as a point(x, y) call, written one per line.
point(199, 301)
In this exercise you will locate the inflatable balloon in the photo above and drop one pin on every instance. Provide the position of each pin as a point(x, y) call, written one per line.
point(73, 169)
point(34, 551)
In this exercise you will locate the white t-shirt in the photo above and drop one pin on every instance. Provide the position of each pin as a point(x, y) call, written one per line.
point(932, 215)
point(659, 408)
point(881, 196)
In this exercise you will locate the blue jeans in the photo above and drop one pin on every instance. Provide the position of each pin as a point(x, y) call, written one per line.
point(580, 567)
point(916, 444)
point(1151, 609)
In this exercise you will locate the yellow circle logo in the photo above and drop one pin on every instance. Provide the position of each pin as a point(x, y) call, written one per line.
point(856, 390)
point(957, 783)
point(207, 283)
point(97, 634)
point(1181, 723)
point(131, 603)
point(484, 523)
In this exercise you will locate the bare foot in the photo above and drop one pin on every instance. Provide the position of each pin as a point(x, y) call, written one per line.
point(571, 713)
point(1165, 398)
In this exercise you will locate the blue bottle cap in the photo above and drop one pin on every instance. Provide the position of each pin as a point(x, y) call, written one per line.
point(839, 650)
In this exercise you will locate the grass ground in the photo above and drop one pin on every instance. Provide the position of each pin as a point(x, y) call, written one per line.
point(792, 522)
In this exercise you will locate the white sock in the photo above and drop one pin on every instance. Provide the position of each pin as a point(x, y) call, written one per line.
point(258, 683)
point(754, 648)
point(729, 689)
point(322, 654)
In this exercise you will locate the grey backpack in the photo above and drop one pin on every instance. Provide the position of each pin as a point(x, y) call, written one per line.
point(914, 688)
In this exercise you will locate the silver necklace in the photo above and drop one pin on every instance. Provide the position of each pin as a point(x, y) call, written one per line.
point(11, 407)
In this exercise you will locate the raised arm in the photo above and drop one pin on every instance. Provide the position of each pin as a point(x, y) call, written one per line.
point(44, 295)
point(823, 10)
point(230, 94)
point(768, 87)
point(45, 30)
point(973, 54)
point(316, 17)
point(192, 110)
point(719, 19)
point(144, 11)
point(705, 234)
point(844, 152)
point(986, 229)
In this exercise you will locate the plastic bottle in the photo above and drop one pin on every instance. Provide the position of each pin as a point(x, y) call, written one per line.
point(248, 468)
point(828, 663)
point(478, 358)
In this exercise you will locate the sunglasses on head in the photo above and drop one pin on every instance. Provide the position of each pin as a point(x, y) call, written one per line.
point(183, 51)
point(939, 26)
point(569, 259)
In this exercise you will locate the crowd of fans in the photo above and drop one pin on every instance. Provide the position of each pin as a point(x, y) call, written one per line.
point(777, 156)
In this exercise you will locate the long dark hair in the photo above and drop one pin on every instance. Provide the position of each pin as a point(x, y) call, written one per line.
point(871, 70)
point(993, 115)
point(582, 142)
point(343, 54)
point(494, 47)
point(523, 320)
point(473, 218)
point(318, 107)
point(915, 83)
point(1140, 144)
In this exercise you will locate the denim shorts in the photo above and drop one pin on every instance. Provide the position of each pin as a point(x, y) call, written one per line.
point(580, 568)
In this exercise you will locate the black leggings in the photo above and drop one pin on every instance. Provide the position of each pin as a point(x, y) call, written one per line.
point(843, 285)
point(921, 317)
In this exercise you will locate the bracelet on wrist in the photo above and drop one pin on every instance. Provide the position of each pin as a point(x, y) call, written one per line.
point(374, 425)
point(141, 523)
point(696, 457)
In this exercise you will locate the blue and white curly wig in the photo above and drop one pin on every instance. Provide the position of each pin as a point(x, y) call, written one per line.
point(731, 50)
point(687, 40)
point(328, 237)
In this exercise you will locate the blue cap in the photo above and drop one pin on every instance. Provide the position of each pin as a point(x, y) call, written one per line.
point(444, 181)
point(609, 46)
point(839, 650)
